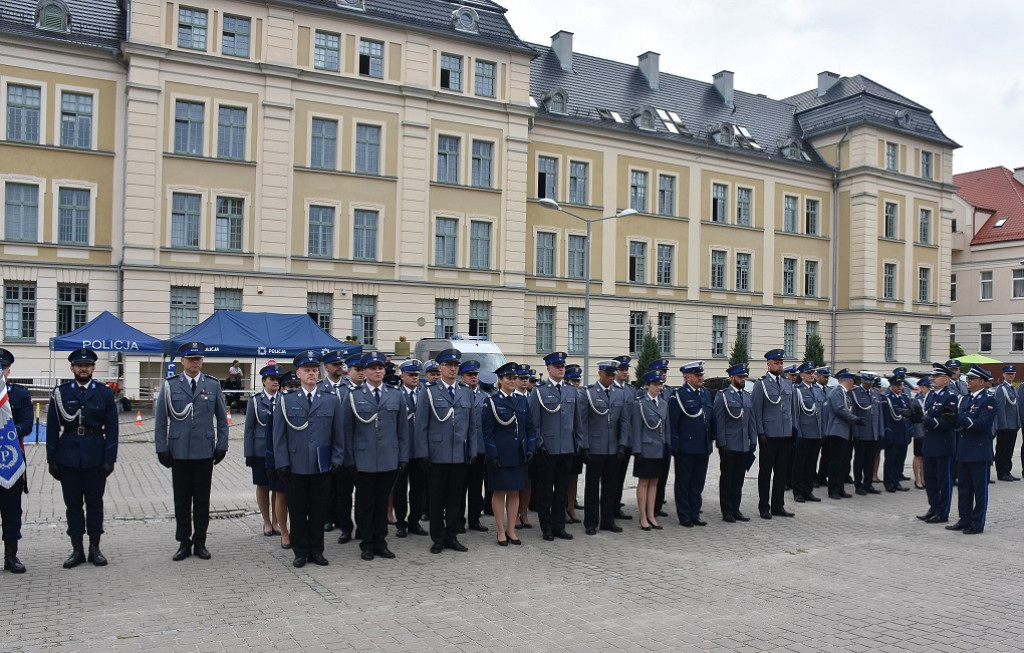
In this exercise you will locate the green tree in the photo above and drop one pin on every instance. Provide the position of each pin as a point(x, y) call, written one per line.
point(815, 351)
point(649, 352)
point(955, 350)
point(739, 354)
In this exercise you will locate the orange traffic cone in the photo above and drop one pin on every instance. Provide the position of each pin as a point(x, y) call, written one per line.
point(230, 423)
point(138, 418)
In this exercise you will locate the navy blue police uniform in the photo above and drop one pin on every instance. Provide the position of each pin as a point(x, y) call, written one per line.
point(974, 455)
point(693, 432)
point(20, 400)
point(941, 416)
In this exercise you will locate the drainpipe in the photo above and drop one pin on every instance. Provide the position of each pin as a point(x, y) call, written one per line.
point(835, 247)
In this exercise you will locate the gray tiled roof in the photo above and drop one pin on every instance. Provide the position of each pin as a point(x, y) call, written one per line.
point(846, 87)
point(96, 23)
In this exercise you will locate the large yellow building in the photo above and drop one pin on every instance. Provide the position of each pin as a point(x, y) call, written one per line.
point(379, 165)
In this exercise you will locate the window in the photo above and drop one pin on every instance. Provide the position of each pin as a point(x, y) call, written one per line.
point(743, 330)
point(924, 231)
point(483, 155)
point(19, 311)
point(483, 81)
point(985, 330)
point(73, 216)
point(890, 341)
point(326, 53)
point(811, 278)
point(188, 127)
point(789, 208)
point(448, 159)
point(665, 333)
point(952, 333)
point(637, 262)
point(719, 202)
point(480, 319)
point(545, 328)
point(666, 195)
point(577, 263)
point(235, 36)
point(184, 309)
point(364, 319)
point(986, 285)
point(53, 17)
point(319, 307)
point(578, 173)
point(744, 206)
point(789, 338)
point(892, 157)
point(191, 28)
point(637, 327)
point(666, 254)
point(577, 324)
point(952, 287)
point(231, 133)
point(926, 165)
point(638, 190)
point(23, 118)
point(75, 120)
point(811, 212)
point(323, 144)
point(451, 72)
point(230, 220)
point(789, 276)
point(889, 281)
point(892, 228)
point(924, 344)
point(227, 299)
point(545, 265)
point(547, 177)
point(717, 336)
point(557, 103)
point(368, 149)
point(371, 58)
point(1016, 336)
point(72, 307)
point(445, 240)
point(21, 212)
point(812, 330)
point(1018, 283)
point(321, 231)
point(743, 272)
point(924, 284)
point(480, 245)
point(185, 209)
point(718, 269)
point(364, 235)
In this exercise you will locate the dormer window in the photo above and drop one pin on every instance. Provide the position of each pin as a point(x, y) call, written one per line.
point(358, 5)
point(790, 149)
point(903, 118)
point(556, 101)
point(53, 15)
point(723, 134)
point(644, 119)
point(465, 19)
point(608, 114)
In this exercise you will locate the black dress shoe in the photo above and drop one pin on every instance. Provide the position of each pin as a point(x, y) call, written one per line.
point(686, 523)
point(926, 516)
point(622, 515)
point(799, 498)
point(201, 551)
point(184, 551)
point(657, 527)
point(845, 495)
point(401, 531)
point(861, 492)
point(890, 489)
point(437, 547)
point(660, 513)
point(76, 558)
point(970, 530)
point(699, 522)
point(384, 552)
point(548, 537)
point(900, 488)
point(318, 559)
point(345, 537)
point(514, 541)
point(502, 542)
point(562, 535)
point(935, 519)
point(478, 527)
point(366, 555)
point(455, 545)
point(741, 517)
point(286, 546)
point(591, 530)
point(871, 490)
point(328, 527)
point(13, 565)
point(956, 527)
point(783, 513)
point(810, 497)
point(645, 528)
point(416, 529)
point(612, 528)
point(766, 514)
point(299, 561)
point(834, 495)
point(729, 518)
point(1007, 477)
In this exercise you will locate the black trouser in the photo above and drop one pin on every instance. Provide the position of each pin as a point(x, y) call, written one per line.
point(972, 501)
point(775, 453)
point(476, 473)
point(10, 510)
point(372, 491)
point(410, 494)
point(339, 505)
point(938, 484)
point(805, 459)
point(895, 459)
point(551, 490)
point(730, 488)
point(307, 496)
point(839, 465)
point(447, 482)
point(1006, 441)
point(191, 480)
point(84, 487)
point(659, 498)
point(623, 473)
point(691, 474)
point(826, 457)
point(600, 496)
point(864, 454)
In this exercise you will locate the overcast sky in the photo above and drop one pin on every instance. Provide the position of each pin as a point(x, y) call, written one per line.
point(960, 59)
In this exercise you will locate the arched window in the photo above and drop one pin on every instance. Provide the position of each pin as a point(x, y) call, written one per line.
point(53, 15)
point(557, 103)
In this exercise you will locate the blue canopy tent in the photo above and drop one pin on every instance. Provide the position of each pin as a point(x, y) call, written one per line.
point(229, 334)
point(106, 332)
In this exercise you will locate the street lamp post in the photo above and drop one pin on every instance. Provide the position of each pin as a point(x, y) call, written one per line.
point(549, 203)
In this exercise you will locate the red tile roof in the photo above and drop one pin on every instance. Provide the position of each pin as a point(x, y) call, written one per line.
point(996, 190)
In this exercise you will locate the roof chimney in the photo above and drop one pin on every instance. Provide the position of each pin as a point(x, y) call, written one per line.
point(826, 80)
point(561, 43)
point(723, 84)
point(1018, 174)
point(648, 64)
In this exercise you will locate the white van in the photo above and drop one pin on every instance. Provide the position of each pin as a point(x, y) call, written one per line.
point(472, 348)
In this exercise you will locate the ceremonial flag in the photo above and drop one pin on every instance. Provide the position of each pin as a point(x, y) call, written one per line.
point(12, 460)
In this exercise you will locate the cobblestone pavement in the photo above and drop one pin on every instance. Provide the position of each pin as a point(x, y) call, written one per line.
point(856, 575)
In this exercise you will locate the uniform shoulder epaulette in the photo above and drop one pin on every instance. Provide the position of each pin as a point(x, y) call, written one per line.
point(211, 377)
point(430, 384)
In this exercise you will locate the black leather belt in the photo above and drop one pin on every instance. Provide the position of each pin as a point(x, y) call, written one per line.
point(85, 430)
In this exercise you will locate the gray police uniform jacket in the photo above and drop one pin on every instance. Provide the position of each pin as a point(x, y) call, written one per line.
point(376, 432)
point(771, 407)
point(479, 399)
point(259, 412)
point(605, 419)
point(863, 404)
point(1006, 407)
point(650, 428)
point(191, 425)
point(839, 418)
point(309, 438)
point(733, 424)
point(556, 417)
point(446, 428)
point(808, 412)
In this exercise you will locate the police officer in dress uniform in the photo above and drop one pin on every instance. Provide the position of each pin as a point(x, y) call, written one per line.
point(574, 377)
point(343, 376)
point(20, 400)
point(509, 443)
point(661, 365)
point(692, 428)
point(821, 377)
point(555, 414)
point(191, 437)
point(771, 406)
point(469, 376)
point(650, 437)
point(864, 437)
point(622, 381)
point(974, 452)
point(941, 416)
point(309, 445)
point(377, 434)
point(736, 439)
point(605, 424)
point(897, 431)
point(84, 414)
point(840, 420)
point(259, 412)
point(1007, 424)
point(411, 482)
point(446, 426)
point(809, 422)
